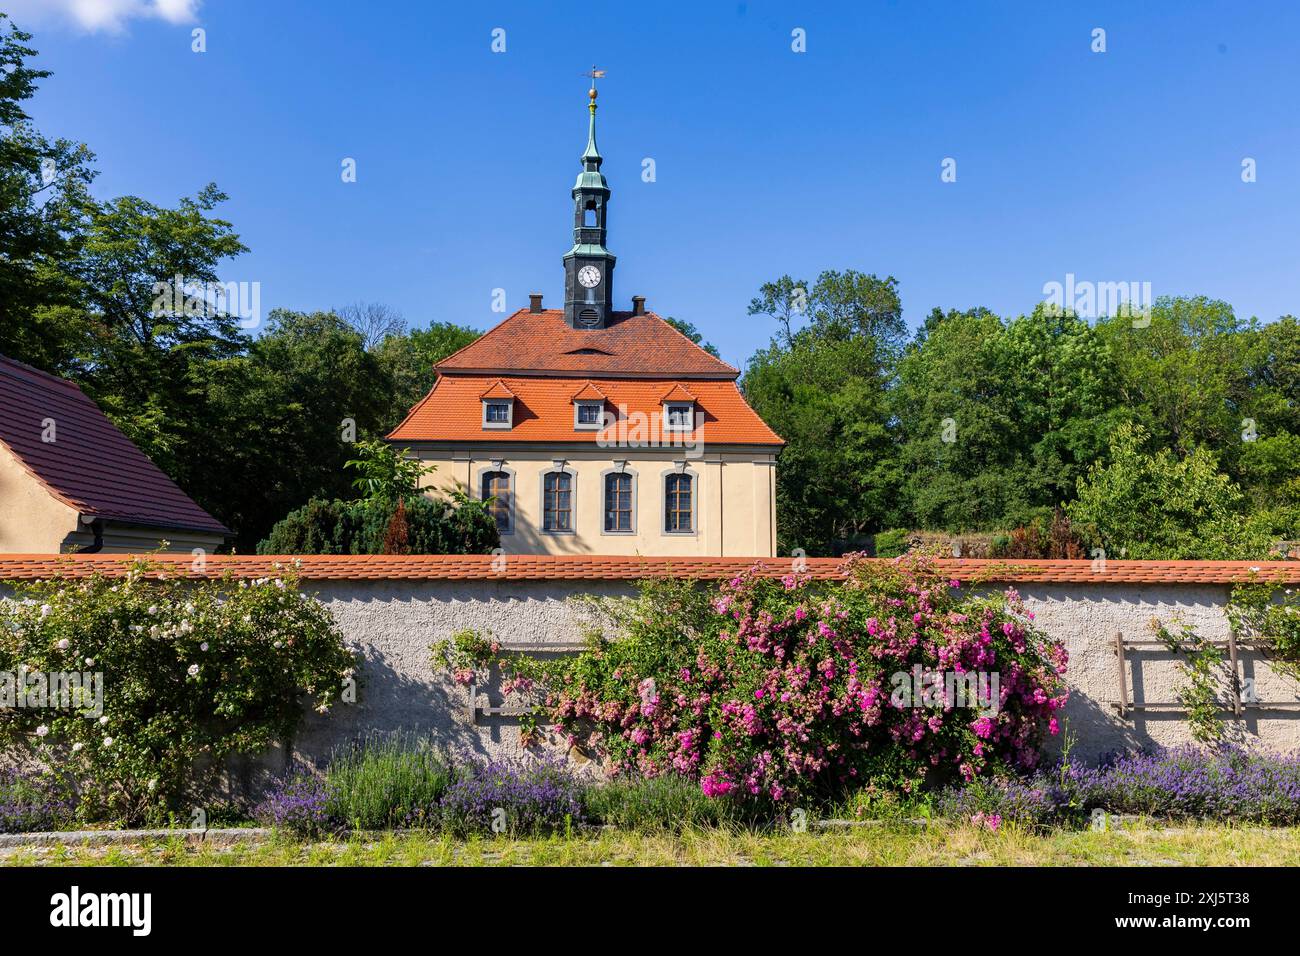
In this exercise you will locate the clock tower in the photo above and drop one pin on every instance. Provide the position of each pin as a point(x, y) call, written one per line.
point(589, 266)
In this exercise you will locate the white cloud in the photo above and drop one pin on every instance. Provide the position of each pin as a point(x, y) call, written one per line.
point(109, 16)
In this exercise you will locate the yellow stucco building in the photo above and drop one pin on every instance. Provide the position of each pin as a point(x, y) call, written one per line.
point(595, 430)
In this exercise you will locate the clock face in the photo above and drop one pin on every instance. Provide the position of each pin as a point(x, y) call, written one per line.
point(589, 277)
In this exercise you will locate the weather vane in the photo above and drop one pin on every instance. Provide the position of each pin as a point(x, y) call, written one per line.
point(593, 74)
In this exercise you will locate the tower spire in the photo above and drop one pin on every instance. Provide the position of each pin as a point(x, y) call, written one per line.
point(589, 265)
point(591, 159)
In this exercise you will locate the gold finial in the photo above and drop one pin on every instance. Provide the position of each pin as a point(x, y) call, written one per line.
point(593, 74)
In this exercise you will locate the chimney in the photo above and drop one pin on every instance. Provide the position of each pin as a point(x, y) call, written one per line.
point(638, 305)
point(534, 302)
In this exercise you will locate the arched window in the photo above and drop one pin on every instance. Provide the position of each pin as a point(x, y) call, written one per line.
point(496, 492)
point(557, 501)
point(618, 502)
point(589, 216)
point(679, 504)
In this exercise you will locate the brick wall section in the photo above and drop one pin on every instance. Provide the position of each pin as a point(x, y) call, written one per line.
point(434, 567)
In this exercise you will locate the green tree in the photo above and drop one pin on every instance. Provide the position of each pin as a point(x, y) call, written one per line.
point(287, 412)
point(823, 388)
point(144, 359)
point(1161, 506)
point(43, 197)
point(385, 472)
point(1185, 372)
point(409, 360)
point(689, 330)
point(999, 419)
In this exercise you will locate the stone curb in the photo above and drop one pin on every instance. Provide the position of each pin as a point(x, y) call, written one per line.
point(118, 837)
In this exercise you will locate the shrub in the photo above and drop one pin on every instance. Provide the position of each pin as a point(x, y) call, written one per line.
point(787, 690)
point(1164, 506)
point(1056, 540)
point(383, 783)
point(191, 673)
point(892, 543)
point(433, 526)
point(527, 798)
point(29, 802)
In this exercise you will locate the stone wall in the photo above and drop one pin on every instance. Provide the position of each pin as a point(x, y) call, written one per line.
point(392, 609)
point(394, 622)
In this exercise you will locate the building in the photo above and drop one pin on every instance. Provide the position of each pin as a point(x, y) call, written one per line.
point(598, 430)
point(70, 481)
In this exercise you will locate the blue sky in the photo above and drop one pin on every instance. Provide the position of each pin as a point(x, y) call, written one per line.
point(1115, 166)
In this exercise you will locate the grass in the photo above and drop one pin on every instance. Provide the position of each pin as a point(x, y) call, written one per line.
point(939, 845)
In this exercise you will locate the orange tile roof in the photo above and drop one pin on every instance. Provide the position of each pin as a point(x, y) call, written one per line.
point(677, 393)
point(588, 393)
point(553, 567)
point(544, 411)
point(498, 390)
point(541, 342)
point(90, 466)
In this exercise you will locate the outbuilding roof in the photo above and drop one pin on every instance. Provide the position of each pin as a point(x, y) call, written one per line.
point(62, 438)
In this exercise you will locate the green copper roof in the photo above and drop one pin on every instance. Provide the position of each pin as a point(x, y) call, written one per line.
point(591, 177)
point(593, 249)
point(592, 154)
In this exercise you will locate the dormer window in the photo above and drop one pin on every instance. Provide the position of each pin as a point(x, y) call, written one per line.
point(498, 406)
point(588, 415)
point(497, 414)
point(679, 416)
point(679, 410)
point(588, 408)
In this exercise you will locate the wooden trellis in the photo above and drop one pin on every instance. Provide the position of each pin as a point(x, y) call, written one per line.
point(478, 702)
point(1237, 705)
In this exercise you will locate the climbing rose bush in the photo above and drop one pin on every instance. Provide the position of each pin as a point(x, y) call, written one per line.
point(185, 674)
point(785, 689)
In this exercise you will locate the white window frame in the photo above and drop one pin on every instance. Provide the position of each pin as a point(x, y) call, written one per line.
point(690, 415)
point(582, 426)
point(510, 413)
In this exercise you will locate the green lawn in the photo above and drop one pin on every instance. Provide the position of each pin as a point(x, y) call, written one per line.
point(866, 846)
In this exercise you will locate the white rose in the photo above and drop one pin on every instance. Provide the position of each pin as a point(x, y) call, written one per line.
point(42, 730)
point(62, 645)
point(193, 670)
point(108, 741)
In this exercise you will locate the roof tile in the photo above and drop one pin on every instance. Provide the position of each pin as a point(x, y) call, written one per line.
point(544, 412)
point(554, 567)
point(90, 465)
point(540, 342)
